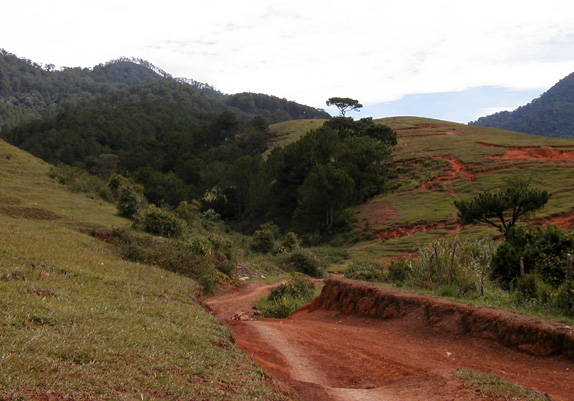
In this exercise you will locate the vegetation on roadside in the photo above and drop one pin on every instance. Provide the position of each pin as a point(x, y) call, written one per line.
point(493, 386)
point(286, 298)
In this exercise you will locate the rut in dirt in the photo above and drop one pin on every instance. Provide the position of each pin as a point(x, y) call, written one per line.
point(326, 352)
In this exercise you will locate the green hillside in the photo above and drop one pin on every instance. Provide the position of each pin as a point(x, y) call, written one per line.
point(79, 323)
point(438, 162)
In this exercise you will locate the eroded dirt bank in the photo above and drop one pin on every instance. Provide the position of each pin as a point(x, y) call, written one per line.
point(326, 351)
point(512, 330)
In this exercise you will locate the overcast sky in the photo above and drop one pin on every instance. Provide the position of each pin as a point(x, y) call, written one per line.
point(408, 57)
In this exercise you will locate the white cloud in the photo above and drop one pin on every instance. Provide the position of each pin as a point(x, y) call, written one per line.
point(308, 50)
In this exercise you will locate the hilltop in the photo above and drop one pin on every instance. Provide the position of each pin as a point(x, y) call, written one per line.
point(551, 114)
point(30, 91)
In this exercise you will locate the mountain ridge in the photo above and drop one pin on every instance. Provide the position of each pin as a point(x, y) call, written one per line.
point(551, 114)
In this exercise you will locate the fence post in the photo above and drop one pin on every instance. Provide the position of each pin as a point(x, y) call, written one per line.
point(484, 263)
point(569, 271)
point(431, 257)
point(521, 273)
point(451, 271)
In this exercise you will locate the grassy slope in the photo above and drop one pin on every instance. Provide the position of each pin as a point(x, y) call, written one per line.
point(422, 204)
point(77, 322)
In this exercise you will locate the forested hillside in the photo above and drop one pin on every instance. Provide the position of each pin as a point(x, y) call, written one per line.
point(30, 91)
point(552, 114)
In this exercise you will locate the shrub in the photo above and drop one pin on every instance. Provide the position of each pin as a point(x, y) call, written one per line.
point(364, 269)
point(290, 242)
point(157, 221)
point(399, 271)
point(544, 252)
point(304, 261)
point(263, 241)
point(288, 297)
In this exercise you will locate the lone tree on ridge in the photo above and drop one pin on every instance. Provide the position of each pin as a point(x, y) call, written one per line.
point(344, 104)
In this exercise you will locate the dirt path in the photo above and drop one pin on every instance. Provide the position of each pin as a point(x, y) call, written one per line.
point(323, 355)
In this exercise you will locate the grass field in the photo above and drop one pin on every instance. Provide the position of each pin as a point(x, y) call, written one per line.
point(79, 323)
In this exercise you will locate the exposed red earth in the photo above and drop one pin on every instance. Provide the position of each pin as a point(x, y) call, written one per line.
point(359, 342)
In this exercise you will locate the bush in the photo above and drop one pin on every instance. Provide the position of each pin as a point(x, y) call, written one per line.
point(288, 297)
point(304, 261)
point(173, 255)
point(399, 272)
point(159, 222)
point(263, 241)
point(365, 270)
point(290, 242)
point(544, 251)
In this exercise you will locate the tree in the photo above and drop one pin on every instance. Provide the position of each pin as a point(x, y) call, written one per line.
point(344, 104)
point(502, 209)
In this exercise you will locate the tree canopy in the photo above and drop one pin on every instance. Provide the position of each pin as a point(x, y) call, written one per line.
point(344, 104)
point(502, 209)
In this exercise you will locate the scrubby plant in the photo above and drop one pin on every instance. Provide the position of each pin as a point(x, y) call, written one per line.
point(460, 262)
point(290, 242)
point(288, 297)
point(263, 241)
point(157, 221)
point(303, 261)
point(399, 271)
point(364, 269)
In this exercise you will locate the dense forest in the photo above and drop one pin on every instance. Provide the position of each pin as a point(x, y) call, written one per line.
point(30, 91)
point(182, 141)
point(552, 114)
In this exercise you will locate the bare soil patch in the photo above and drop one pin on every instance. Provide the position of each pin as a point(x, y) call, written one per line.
point(326, 351)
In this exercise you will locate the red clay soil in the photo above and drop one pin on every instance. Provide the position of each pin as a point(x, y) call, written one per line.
point(457, 170)
point(359, 342)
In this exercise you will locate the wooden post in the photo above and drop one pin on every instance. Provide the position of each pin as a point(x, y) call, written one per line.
point(484, 263)
point(431, 257)
point(521, 273)
point(451, 271)
point(569, 271)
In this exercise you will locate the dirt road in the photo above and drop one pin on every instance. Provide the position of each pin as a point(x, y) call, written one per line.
point(324, 355)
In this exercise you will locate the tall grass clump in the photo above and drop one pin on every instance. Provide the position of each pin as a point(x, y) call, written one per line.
point(455, 266)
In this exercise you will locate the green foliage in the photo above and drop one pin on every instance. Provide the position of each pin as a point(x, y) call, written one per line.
point(502, 209)
point(364, 270)
point(288, 297)
point(290, 242)
point(193, 259)
point(468, 270)
point(263, 241)
point(399, 271)
point(544, 251)
point(80, 181)
point(160, 222)
point(316, 179)
point(303, 261)
point(344, 104)
point(490, 385)
point(129, 196)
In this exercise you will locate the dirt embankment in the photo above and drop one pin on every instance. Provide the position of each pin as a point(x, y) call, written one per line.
point(523, 333)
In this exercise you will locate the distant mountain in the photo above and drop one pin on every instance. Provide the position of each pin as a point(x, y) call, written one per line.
point(30, 91)
point(552, 114)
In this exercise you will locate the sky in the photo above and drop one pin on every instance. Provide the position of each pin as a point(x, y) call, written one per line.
point(448, 59)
